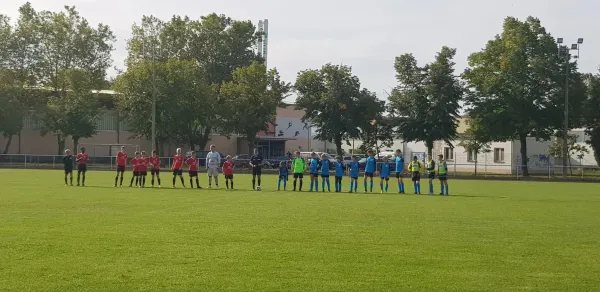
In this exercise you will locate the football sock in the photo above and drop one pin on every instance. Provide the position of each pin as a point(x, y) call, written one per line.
point(386, 186)
point(356, 186)
point(402, 187)
point(209, 181)
point(71, 179)
point(182, 181)
point(300, 185)
point(158, 181)
point(143, 180)
point(351, 185)
point(121, 179)
point(116, 179)
point(131, 182)
point(328, 186)
point(446, 189)
point(294, 185)
point(83, 178)
point(174, 177)
point(191, 182)
point(415, 187)
point(365, 183)
point(232, 184)
point(197, 183)
point(371, 186)
point(217, 181)
point(419, 188)
point(65, 179)
point(381, 186)
point(253, 184)
point(312, 182)
point(78, 177)
point(279, 184)
point(399, 187)
point(284, 184)
point(259, 182)
point(431, 188)
point(227, 183)
point(323, 184)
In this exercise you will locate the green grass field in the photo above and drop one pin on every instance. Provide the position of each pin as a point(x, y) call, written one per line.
point(486, 236)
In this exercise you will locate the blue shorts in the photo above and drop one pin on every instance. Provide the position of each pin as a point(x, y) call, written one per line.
point(283, 176)
point(369, 174)
point(354, 177)
point(385, 177)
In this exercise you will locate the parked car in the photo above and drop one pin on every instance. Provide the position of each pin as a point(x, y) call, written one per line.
point(276, 161)
point(243, 161)
point(306, 156)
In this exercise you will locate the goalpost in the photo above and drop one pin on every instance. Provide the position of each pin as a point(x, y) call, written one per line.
point(102, 155)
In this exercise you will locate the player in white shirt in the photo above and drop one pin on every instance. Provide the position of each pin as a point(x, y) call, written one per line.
point(213, 162)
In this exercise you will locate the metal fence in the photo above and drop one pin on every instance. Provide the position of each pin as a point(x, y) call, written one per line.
point(458, 170)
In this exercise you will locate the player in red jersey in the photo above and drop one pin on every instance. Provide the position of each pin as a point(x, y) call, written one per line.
point(121, 162)
point(136, 162)
point(155, 169)
point(228, 171)
point(192, 163)
point(177, 167)
point(144, 169)
point(82, 158)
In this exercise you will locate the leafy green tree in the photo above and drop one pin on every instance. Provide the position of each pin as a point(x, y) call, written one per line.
point(474, 142)
point(516, 85)
point(426, 100)
point(217, 43)
point(377, 134)
point(592, 115)
point(68, 42)
point(251, 100)
point(181, 92)
point(335, 104)
point(75, 113)
point(574, 149)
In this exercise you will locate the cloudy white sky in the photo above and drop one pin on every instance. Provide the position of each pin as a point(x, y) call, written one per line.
point(364, 34)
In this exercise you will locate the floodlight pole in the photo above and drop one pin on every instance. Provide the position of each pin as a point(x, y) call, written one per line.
point(566, 53)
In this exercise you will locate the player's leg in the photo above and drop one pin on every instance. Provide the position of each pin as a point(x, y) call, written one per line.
point(117, 177)
point(328, 185)
point(381, 184)
point(216, 175)
point(279, 182)
point(295, 181)
point(66, 174)
point(285, 179)
point(259, 175)
point(174, 177)
point(371, 182)
point(133, 177)
point(197, 182)
point(419, 183)
point(365, 178)
point(253, 178)
point(231, 180)
point(180, 174)
point(158, 177)
point(78, 175)
point(430, 184)
point(209, 173)
point(191, 179)
point(387, 180)
point(152, 174)
point(83, 172)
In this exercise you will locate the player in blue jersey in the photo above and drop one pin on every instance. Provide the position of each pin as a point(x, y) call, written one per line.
point(314, 164)
point(384, 172)
point(283, 175)
point(370, 169)
point(353, 174)
point(399, 168)
point(326, 165)
point(339, 174)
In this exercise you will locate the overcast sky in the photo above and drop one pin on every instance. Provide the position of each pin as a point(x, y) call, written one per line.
point(364, 34)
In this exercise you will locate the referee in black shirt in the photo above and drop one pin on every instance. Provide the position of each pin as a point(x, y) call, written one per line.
point(256, 164)
point(68, 166)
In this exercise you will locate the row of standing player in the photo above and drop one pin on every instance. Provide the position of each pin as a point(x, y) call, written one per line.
point(324, 166)
point(141, 164)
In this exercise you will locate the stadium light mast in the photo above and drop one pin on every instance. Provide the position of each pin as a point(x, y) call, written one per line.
point(565, 52)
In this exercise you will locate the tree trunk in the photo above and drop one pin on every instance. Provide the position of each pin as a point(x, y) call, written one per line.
point(61, 144)
point(156, 146)
point(524, 159)
point(476, 154)
point(205, 137)
point(19, 135)
point(429, 145)
point(7, 144)
point(251, 146)
point(75, 144)
point(338, 145)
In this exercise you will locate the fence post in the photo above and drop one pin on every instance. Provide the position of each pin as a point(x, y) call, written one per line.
point(25, 157)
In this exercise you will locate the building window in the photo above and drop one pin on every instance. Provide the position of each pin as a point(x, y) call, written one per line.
point(448, 153)
point(471, 156)
point(498, 154)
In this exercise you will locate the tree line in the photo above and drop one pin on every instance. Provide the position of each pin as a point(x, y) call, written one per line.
point(207, 77)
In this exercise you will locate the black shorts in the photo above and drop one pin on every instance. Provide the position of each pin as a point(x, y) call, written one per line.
point(354, 177)
point(257, 170)
point(68, 170)
point(443, 177)
point(177, 172)
point(154, 171)
point(144, 173)
point(416, 176)
point(136, 173)
point(82, 167)
point(298, 175)
point(338, 177)
point(431, 175)
point(193, 173)
point(283, 176)
point(120, 168)
point(369, 174)
point(385, 177)
point(229, 176)
point(312, 174)
point(324, 175)
point(399, 174)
